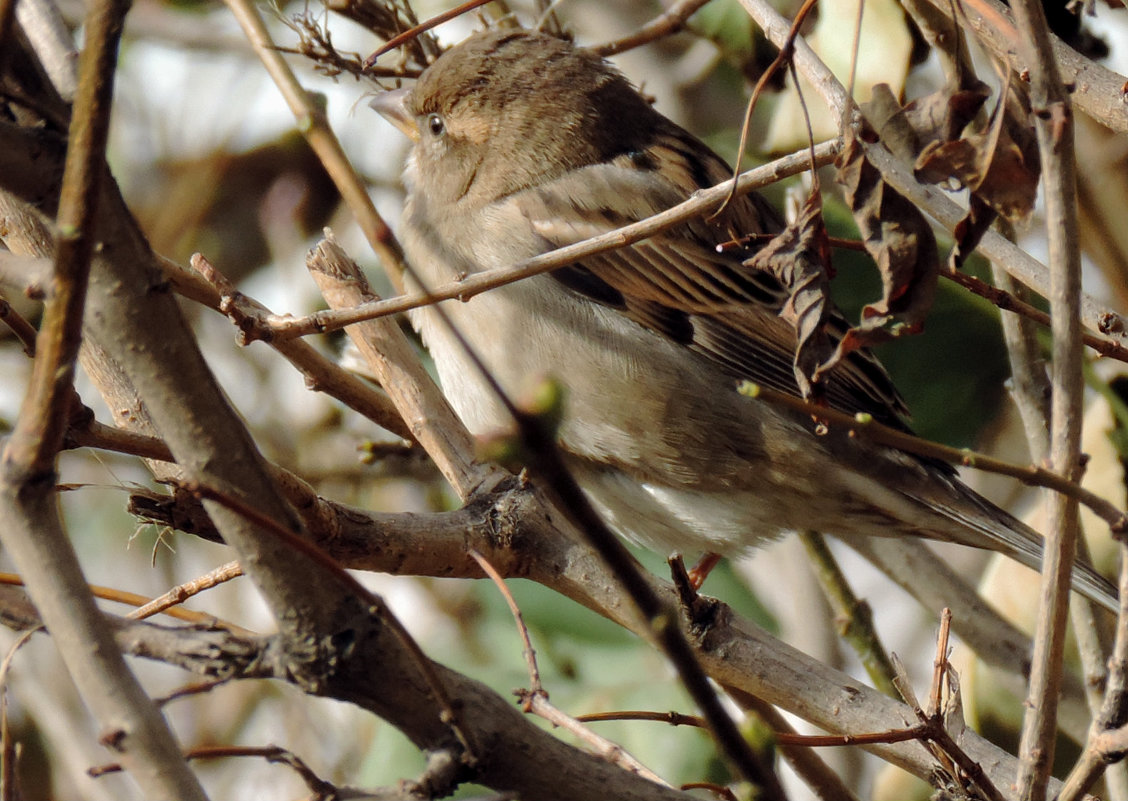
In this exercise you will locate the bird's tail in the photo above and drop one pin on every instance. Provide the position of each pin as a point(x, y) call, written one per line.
point(984, 525)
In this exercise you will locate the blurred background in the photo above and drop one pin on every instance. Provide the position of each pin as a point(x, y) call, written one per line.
point(209, 159)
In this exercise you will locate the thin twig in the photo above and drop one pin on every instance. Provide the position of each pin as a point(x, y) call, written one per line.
point(317, 131)
point(523, 630)
point(93, 434)
point(396, 365)
point(535, 700)
point(9, 785)
point(786, 49)
point(1114, 713)
point(1012, 302)
point(433, 22)
point(135, 600)
point(853, 617)
point(23, 330)
point(952, 759)
point(1030, 390)
point(940, 662)
point(272, 753)
point(784, 734)
point(321, 374)
point(672, 718)
point(182, 592)
point(667, 23)
point(52, 384)
point(1030, 383)
point(187, 691)
point(809, 766)
point(539, 705)
point(700, 203)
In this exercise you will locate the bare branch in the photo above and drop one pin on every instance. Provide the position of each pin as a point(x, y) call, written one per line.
point(32, 530)
point(1054, 125)
point(480, 282)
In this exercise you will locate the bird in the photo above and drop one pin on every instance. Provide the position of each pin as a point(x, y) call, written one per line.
point(522, 143)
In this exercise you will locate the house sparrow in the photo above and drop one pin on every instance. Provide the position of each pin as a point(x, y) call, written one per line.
point(524, 143)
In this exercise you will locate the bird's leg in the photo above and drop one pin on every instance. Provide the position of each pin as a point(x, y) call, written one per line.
point(700, 571)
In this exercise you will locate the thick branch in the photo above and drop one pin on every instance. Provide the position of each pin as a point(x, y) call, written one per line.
point(32, 529)
point(1095, 89)
point(387, 682)
point(511, 531)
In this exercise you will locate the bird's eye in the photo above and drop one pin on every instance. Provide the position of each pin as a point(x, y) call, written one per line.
point(435, 125)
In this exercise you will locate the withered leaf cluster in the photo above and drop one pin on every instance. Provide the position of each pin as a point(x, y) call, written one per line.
point(948, 140)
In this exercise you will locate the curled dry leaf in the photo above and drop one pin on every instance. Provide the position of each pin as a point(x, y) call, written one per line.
point(935, 118)
point(899, 239)
point(970, 230)
point(799, 257)
point(936, 134)
point(999, 166)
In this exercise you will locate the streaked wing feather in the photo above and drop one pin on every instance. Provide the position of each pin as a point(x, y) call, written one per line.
point(678, 285)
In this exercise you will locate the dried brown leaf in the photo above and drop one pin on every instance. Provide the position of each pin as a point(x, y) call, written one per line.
point(935, 118)
point(900, 240)
point(799, 257)
point(992, 165)
point(1000, 167)
point(936, 134)
point(970, 230)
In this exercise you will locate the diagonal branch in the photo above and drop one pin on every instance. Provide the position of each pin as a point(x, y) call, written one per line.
point(1094, 89)
point(471, 285)
point(32, 529)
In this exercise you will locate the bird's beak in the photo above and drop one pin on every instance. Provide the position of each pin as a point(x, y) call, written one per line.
point(393, 107)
